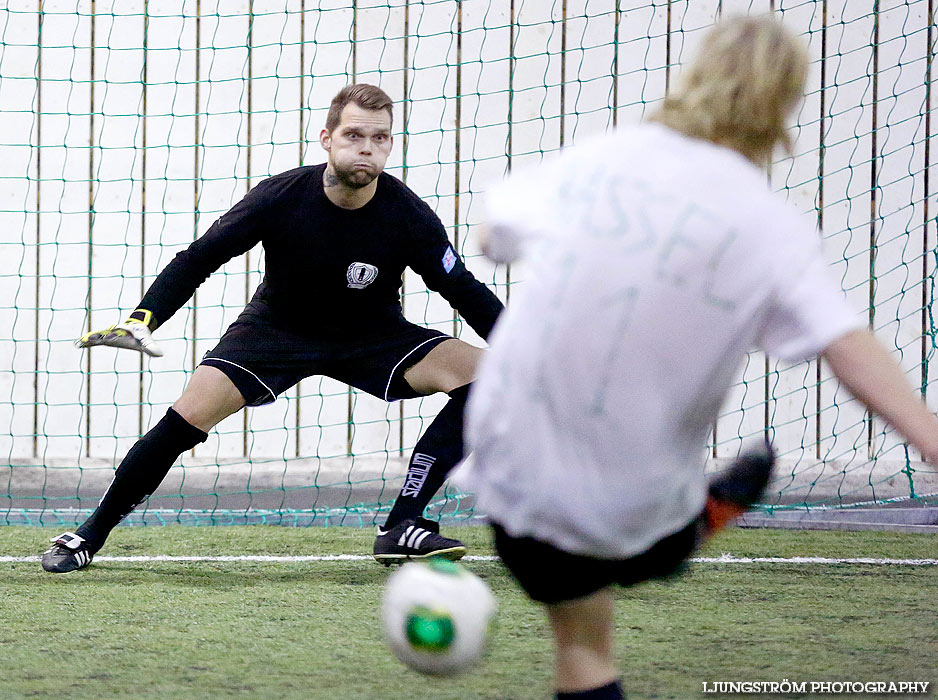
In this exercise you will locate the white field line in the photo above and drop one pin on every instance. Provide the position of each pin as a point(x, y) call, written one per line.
point(259, 558)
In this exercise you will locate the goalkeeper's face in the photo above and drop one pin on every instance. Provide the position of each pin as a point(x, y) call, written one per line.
point(359, 146)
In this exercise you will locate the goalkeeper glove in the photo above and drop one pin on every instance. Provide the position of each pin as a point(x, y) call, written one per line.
point(132, 334)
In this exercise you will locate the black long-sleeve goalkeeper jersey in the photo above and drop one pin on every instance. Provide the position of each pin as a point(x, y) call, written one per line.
point(331, 272)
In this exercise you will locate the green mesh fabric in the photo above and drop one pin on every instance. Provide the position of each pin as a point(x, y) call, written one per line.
point(128, 127)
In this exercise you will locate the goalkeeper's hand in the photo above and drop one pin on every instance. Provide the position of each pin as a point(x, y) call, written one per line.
point(132, 334)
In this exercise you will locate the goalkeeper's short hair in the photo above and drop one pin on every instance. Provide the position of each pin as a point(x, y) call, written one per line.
point(362, 94)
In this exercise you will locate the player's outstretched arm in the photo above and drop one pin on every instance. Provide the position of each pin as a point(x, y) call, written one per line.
point(871, 374)
point(236, 232)
point(132, 334)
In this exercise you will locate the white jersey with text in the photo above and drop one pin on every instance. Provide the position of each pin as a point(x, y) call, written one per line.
point(654, 263)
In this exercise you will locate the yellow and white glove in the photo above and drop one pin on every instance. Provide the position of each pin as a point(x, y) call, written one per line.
point(132, 334)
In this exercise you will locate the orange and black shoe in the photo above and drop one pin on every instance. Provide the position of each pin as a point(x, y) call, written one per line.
point(736, 490)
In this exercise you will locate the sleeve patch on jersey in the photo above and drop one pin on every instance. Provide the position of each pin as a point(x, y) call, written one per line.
point(449, 259)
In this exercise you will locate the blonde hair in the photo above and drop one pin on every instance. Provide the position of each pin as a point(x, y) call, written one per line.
point(748, 75)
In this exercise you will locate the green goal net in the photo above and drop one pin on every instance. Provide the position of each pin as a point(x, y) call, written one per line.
point(127, 128)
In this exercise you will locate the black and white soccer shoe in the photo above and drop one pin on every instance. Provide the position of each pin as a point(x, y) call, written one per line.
point(415, 539)
point(68, 552)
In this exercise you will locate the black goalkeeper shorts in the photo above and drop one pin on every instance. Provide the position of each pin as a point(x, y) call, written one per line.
point(550, 575)
point(264, 360)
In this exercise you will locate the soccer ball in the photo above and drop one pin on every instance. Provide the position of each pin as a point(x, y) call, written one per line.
point(437, 616)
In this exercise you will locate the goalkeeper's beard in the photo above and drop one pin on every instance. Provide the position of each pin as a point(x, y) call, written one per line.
point(354, 179)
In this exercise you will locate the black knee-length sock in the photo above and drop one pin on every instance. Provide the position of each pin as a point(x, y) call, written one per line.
point(435, 454)
point(139, 474)
point(613, 691)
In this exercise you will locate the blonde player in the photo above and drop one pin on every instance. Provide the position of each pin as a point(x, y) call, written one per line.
point(657, 257)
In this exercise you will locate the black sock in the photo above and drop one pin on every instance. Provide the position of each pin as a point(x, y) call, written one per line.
point(435, 454)
point(139, 474)
point(613, 691)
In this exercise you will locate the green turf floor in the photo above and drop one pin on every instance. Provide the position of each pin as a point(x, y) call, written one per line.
point(180, 630)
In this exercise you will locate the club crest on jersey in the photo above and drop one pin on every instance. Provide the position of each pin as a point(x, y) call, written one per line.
point(360, 275)
point(449, 259)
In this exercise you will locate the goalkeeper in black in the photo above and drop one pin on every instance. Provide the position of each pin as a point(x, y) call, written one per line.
point(337, 238)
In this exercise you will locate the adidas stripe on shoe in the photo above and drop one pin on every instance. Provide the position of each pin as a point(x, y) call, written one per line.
point(415, 539)
point(68, 552)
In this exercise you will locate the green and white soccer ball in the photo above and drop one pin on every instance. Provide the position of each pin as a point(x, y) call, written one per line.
point(437, 616)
